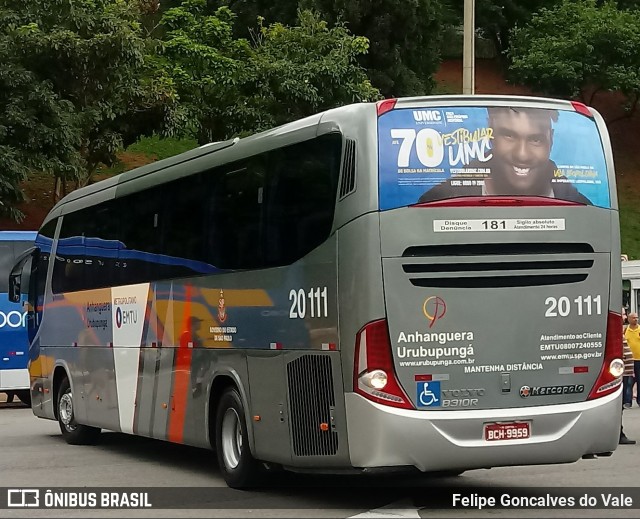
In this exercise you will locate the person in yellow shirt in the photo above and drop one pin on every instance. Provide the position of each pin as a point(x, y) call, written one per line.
point(627, 381)
point(632, 335)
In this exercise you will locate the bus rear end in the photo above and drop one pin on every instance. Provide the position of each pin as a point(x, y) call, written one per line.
point(500, 251)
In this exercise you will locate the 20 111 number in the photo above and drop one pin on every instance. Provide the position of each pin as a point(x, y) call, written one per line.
point(582, 305)
point(318, 304)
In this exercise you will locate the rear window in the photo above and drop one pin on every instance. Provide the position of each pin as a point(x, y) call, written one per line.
point(431, 153)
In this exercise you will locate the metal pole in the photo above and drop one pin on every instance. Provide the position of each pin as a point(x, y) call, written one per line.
point(468, 53)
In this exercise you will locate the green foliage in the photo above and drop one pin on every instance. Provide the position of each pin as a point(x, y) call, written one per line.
point(230, 86)
point(405, 40)
point(38, 130)
point(299, 71)
point(404, 37)
point(630, 225)
point(162, 148)
point(495, 18)
point(579, 46)
point(90, 58)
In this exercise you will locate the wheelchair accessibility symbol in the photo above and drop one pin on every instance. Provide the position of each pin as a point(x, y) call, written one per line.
point(428, 394)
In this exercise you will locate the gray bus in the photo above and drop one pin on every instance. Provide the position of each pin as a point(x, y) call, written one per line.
point(420, 283)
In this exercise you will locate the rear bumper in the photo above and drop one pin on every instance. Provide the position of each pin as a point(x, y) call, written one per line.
point(14, 379)
point(381, 436)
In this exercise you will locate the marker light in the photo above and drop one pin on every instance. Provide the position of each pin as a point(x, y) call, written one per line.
point(616, 367)
point(376, 379)
point(386, 105)
point(610, 376)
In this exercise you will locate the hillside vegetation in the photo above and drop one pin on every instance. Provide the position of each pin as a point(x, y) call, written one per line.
point(489, 80)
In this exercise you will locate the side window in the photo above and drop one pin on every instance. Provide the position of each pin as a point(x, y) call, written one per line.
point(141, 236)
point(184, 230)
point(38, 278)
point(235, 233)
point(68, 269)
point(301, 198)
point(20, 247)
point(101, 246)
point(6, 262)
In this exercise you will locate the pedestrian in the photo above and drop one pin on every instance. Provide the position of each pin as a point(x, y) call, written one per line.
point(632, 335)
point(628, 376)
point(627, 381)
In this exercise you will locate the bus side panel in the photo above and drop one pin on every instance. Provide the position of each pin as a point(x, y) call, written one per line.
point(298, 397)
point(272, 441)
point(360, 288)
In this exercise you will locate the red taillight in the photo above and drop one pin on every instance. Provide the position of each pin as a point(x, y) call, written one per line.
point(373, 365)
point(581, 108)
point(385, 106)
point(607, 382)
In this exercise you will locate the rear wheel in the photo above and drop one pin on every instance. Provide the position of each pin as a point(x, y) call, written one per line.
point(72, 432)
point(237, 465)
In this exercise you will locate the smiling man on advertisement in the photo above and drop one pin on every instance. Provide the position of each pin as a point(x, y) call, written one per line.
point(520, 161)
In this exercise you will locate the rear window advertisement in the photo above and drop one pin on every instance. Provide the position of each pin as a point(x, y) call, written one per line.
point(438, 153)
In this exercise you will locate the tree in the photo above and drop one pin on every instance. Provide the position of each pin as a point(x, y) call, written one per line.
point(37, 130)
point(495, 18)
point(304, 70)
point(231, 86)
point(92, 56)
point(207, 65)
point(404, 37)
point(578, 48)
point(405, 40)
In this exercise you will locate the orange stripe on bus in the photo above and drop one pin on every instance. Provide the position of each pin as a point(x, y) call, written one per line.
point(181, 378)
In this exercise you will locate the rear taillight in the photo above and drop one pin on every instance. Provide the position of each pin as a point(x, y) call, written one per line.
point(386, 105)
point(610, 376)
point(374, 374)
point(582, 108)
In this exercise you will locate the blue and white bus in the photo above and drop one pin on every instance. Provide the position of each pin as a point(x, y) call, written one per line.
point(14, 376)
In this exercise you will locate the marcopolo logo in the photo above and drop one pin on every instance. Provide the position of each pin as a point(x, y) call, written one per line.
point(13, 319)
point(527, 391)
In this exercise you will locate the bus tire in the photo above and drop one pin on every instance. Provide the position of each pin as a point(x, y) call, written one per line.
point(72, 432)
point(238, 466)
point(25, 396)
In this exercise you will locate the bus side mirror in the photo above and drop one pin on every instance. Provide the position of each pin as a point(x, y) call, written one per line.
point(14, 287)
point(15, 277)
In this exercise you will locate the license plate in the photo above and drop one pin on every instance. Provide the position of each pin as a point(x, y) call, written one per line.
point(507, 431)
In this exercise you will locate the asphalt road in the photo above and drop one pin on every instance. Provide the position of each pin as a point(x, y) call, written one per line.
point(34, 455)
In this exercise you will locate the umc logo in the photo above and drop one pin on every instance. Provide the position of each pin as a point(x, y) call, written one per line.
point(427, 116)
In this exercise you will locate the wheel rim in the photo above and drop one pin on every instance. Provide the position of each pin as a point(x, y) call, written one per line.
point(65, 411)
point(231, 439)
